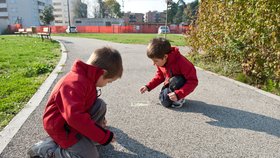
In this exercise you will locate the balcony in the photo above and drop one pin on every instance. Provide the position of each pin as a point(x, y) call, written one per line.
point(41, 7)
point(3, 5)
point(3, 14)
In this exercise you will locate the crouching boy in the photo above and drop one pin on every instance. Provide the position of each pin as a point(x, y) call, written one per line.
point(74, 116)
point(177, 73)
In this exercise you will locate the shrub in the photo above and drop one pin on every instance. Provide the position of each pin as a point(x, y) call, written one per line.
point(246, 32)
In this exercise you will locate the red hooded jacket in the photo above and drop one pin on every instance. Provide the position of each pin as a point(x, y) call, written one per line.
point(68, 105)
point(176, 65)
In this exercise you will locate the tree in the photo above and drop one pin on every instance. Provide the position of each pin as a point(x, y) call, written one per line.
point(180, 12)
point(47, 15)
point(101, 9)
point(81, 10)
point(117, 10)
point(172, 10)
point(178, 17)
point(190, 12)
point(112, 9)
point(181, 3)
point(109, 9)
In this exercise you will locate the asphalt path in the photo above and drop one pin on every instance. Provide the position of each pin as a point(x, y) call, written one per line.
point(221, 118)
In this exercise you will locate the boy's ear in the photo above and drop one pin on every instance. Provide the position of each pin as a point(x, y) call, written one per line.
point(104, 72)
point(165, 56)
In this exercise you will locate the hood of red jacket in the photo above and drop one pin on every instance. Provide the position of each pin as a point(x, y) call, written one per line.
point(92, 72)
point(173, 55)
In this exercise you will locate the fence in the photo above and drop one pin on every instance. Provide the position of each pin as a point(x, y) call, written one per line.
point(117, 29)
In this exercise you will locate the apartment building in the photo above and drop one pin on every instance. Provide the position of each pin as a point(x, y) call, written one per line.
point(155, 17)
point(25, 12)
point(130, 17)
point(61, 14)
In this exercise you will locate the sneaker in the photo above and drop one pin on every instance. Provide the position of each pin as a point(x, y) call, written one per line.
point(178, 104)
point(43, 149)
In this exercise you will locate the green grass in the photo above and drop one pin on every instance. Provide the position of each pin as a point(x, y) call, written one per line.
point(175, 39)
point(25, 62)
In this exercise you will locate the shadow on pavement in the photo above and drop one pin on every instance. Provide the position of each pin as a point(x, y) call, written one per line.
point(130, 148)
point(233, 118)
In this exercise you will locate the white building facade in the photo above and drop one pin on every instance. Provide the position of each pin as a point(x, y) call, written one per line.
point(61, 14)
point(25, 12)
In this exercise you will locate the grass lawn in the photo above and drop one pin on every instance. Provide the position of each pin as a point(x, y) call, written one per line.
point(25, 63)
point(175, 39)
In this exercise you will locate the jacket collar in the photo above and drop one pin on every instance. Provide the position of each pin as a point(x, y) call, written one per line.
point(90, 71)
point(172, 56)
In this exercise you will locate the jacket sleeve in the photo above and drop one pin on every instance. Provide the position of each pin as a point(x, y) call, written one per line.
point(73, 110)
point(189, 72)
point(158, 79)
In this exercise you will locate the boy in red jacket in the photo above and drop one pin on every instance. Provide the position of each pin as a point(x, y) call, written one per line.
point(74, 116)
point(177, 73)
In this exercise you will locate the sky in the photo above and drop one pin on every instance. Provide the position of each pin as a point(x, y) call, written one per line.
point(143, 6)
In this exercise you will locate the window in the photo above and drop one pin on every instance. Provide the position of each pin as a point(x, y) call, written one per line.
point(56, 3)
point(57, 10)
point(41, 4)
point(59, 15)
point(58, 21)
point(3, 9)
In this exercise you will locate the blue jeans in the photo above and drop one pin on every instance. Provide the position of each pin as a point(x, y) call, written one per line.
point(175, 82)
point(164, 98)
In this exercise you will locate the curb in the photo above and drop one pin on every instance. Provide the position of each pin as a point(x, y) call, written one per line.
point(15, 124)
point(276, 97)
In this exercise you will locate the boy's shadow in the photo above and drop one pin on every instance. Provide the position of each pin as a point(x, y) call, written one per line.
point(233, 118)
point(128, 148)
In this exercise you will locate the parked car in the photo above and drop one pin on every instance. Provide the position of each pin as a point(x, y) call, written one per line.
point(71, 29)
point(163, 30)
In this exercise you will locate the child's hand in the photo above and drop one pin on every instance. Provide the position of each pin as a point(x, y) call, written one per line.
point(172, 96)
point(114, 139)
point(143, 89)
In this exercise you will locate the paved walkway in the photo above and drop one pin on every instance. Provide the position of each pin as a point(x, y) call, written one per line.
point(222, 118)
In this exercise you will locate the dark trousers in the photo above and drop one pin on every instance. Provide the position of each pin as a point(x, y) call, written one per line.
point(84, 148)
point(175, 82)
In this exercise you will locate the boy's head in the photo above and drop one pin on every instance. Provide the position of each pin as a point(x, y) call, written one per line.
point(158, 50)
point(110, 61)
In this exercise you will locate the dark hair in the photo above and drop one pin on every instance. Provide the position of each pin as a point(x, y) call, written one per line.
point(158, 47)
point(108, 59)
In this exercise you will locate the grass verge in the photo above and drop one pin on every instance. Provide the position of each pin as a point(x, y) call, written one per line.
point(25, 63)
point(175, 39)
